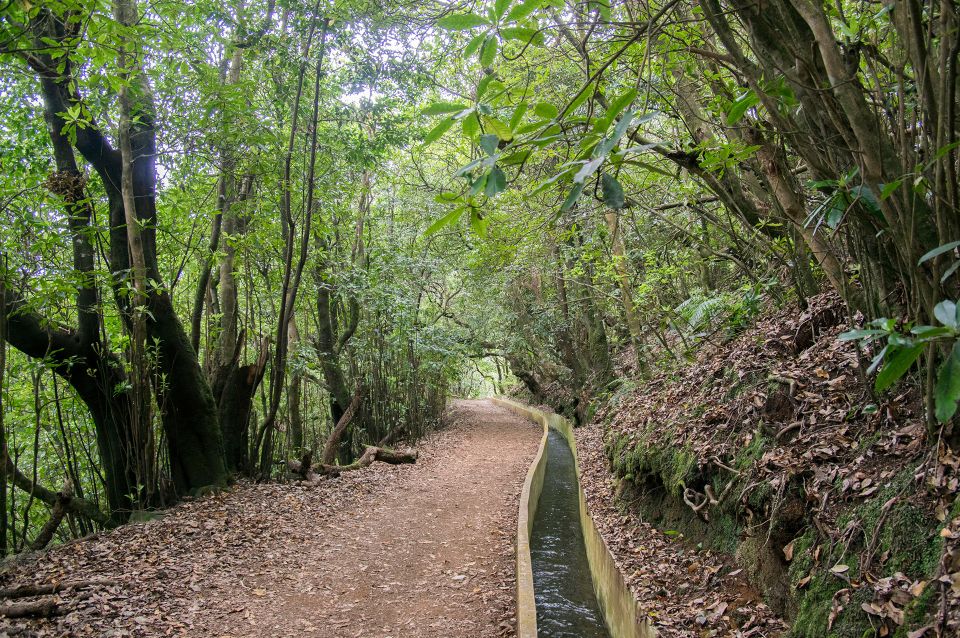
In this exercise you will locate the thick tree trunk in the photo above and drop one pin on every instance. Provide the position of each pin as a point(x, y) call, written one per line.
point(188, 412)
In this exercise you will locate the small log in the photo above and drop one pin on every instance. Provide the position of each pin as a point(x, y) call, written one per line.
point(43, 589)
point(34, 608)
point(371, 454)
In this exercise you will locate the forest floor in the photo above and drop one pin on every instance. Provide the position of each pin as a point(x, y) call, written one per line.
point(411, 550)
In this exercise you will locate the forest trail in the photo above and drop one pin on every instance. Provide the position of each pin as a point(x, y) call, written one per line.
point(415, 550)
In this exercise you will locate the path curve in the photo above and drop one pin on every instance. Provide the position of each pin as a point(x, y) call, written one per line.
point(422, 550)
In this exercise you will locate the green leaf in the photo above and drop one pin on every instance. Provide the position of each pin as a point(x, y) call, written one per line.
point(897, 365)
point(461, 21)
point(612, 191)
point(546, 111)
point(877, 360)
point(477, 185)
point(946, 313)
point(946, 393)
point(500, 6)
point(572, 198)
point(446, 197)
point(477, 223)
point(930, 332)
point(439, 108)
point(853, 335)
point(489, 143)
point(518, 114)
point(523, 34)
point(474, 45)
point(949, 271)
point(502, 130)
point(488, 52)
point(521, 11)
point(496, 182)
point(588, 169)
point(886, 190)
point(616, 107)
point(483, 85)
point(939, 250)
point(865, 196)
point(450, 218)
point(437, 131)
point(608, 144)
point(583, 97)
point(516, 158)
point(740, 106)
point(471, 125)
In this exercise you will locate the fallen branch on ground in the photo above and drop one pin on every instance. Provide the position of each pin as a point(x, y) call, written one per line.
point(371, 454)
point(42, 608)
point(23, 591)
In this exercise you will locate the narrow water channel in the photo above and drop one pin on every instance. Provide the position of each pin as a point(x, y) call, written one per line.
point(566, 604)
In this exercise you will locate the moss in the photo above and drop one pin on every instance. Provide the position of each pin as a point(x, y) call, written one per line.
point(802, 555)
point(752, 451)
point(907, 532)
point(813, 616)
point(724, 534)
point(643, 455)
point(919, 611)
point(911, 538)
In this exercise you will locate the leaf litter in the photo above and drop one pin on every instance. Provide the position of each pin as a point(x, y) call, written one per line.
point(424, 550)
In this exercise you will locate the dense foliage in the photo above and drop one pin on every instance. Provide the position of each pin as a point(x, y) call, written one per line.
point(224, 222)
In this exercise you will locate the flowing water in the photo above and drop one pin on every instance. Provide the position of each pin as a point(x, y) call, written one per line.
point(566, 604)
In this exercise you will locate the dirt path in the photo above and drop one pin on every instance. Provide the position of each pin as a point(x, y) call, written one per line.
point(421, 550)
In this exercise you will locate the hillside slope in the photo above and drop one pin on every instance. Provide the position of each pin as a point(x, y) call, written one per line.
point(769, 449)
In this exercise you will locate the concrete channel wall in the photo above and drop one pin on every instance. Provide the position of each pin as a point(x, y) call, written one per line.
point(620, 610)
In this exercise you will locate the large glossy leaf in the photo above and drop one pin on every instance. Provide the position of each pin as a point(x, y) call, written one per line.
point(437, 131)
point(739, 108)
point(616, 107)
point(545, 110)
point(496, 182)
point(522, 10)
point(471, 125)
point(946, 313)
point(488, 52)
point(517, 116)
point(572, 198)
point(450, 218)
point(612, 191)
point(439, 108)
point(524, 34)
point(489, 143)
point(461, 21)
point(474, 45)
point(478, 223)
point(939, 250)
point(947, 390)
point(499, 128)
point(897, 365)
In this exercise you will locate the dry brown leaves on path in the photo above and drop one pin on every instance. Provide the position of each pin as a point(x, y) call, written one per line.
point(413, 550)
